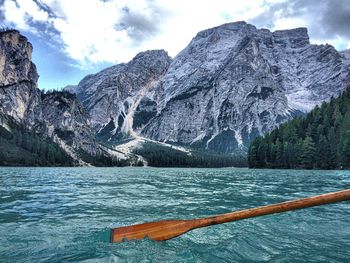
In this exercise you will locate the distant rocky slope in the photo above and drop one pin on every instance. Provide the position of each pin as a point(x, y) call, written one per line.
point(69, 120)
point(234, 82)
point(230, 84)
point(113, 95)
point(56, 117)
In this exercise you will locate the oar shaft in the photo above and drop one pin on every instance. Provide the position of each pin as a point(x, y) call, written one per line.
point(167, 229)
point(273, 209)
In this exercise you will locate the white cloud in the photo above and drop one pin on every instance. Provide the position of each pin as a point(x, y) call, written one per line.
point(31, 9)
point(288, 23)
point(16, 15)
point(186, 18)
point(95, 31)
point(21, 11)
point(89, 28)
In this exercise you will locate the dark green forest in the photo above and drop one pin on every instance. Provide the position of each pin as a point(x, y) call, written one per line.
point(22, 147)
point(321, 140)
point(161, 156)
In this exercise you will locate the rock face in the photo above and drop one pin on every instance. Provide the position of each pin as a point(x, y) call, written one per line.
point(234, 82)
point(19, 95)
point(230, 84)
point(58, 115)
point(113, 95)
point(70, 121)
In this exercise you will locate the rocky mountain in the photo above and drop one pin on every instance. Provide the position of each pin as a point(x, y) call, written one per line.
point(57, 117)
point(230, 84)
point(113, 95)
point(235, 81)
point(69, 120)
point(19, 95)
point(345, 53)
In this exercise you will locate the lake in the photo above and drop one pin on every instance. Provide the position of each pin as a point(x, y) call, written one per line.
point(65, 214)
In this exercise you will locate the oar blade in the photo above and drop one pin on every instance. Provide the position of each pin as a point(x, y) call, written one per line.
point(159, 231)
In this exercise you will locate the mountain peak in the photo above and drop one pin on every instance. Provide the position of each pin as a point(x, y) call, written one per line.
point(233, 26)
point(228, 34)
point(297, 37)
point(151, 58)
point(234, 81)
point(15, 59)
point(151, 53)
point(230, 84)
point(299, 31)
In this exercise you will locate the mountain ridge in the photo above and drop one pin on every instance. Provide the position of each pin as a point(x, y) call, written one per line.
point(57, 117)
point(231, 84)
point(238, 59)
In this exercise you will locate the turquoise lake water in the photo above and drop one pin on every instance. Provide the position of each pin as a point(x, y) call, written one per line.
point(64, 215)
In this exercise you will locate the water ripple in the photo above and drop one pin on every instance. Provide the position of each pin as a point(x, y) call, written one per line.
point(65, 214)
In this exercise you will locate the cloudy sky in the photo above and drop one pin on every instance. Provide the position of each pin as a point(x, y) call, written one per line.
point(73, 38)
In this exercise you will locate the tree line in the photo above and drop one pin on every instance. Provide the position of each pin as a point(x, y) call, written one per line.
point(20, 146)
point(320, 140)
point(162, 156)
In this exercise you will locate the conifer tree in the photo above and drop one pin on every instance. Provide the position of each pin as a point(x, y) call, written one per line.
point(319, 140)
point(308, 153)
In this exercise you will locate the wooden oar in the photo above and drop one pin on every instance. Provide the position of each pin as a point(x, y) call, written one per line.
point(164, 230)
